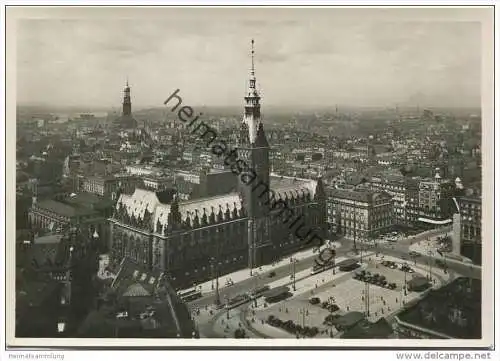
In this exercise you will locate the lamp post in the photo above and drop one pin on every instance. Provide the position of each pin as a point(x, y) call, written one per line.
point(217, 295)
point(293, 260)
point(217, 264)
point(405, 269)
point(212, 271)
point(334, 253)
point(367, 299)
point(302, 311)
point(355, 232)
point(429, 252)
point(256, 277)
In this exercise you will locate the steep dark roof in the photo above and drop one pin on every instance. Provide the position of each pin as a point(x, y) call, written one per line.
point(136, 290)
point(63, 209)
point(260, 139)
point(126, 122)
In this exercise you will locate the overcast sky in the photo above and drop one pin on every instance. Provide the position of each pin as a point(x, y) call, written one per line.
point(304, 58)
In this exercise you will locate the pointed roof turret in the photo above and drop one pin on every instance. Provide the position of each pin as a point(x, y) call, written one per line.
point(320, 189)
point(260, 139)
point(174, 217)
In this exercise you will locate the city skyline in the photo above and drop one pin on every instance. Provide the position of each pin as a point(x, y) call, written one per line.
point(323, 58)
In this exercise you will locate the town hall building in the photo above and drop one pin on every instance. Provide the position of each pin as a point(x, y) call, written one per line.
point(198, 239)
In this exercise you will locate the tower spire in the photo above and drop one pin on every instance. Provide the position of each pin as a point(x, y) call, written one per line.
point(251, 117)
point(253, 54)
point(127, 104)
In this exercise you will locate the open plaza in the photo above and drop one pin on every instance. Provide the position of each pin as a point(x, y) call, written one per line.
point(320, 301)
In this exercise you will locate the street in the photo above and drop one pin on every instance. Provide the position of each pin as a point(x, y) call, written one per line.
point(399, 250)
point(218, 325)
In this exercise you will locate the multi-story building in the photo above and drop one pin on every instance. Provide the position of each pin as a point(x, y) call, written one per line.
point(434, 198)
point(205, 183)
point(52, 289)
point(470, 228)
point(360, 215)
point(196, 239)
point(412, 210)
point(157, 183)
point(396, 187)
point(108, 186)
point(85, 210)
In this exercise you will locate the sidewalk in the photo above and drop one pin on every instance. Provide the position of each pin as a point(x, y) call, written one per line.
point(244, 274)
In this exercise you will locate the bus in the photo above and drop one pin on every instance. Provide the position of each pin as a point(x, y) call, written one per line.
point(259, 291)
point(318, 268)
point(190, 295)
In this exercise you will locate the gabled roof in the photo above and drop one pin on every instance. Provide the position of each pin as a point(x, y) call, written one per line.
point(136, 290)
point(134, 280)
point(284, 186)
point(142, 200)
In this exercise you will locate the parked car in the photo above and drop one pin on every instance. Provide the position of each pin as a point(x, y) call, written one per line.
point(392, 286)
point(314, 300)
point(272, 274)
point(333, 308)
point(414, 254)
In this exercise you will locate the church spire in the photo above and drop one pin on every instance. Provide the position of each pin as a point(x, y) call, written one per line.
point(127, 104)
point(251, 117)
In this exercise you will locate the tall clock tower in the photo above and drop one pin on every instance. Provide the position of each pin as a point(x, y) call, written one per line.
point(253, 148)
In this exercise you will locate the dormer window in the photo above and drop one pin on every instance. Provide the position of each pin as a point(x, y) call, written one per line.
point(136, 274)
point(152, 280)
point(143, 277)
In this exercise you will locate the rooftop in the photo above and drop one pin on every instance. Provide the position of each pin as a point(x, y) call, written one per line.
point(63, 209)
point(357, 195)
point(453, 310)
point(149, 304)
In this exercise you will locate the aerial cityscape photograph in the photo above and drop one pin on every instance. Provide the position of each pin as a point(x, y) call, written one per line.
point(225, 173)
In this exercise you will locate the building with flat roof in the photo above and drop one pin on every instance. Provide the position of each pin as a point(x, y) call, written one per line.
point(360, 215)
